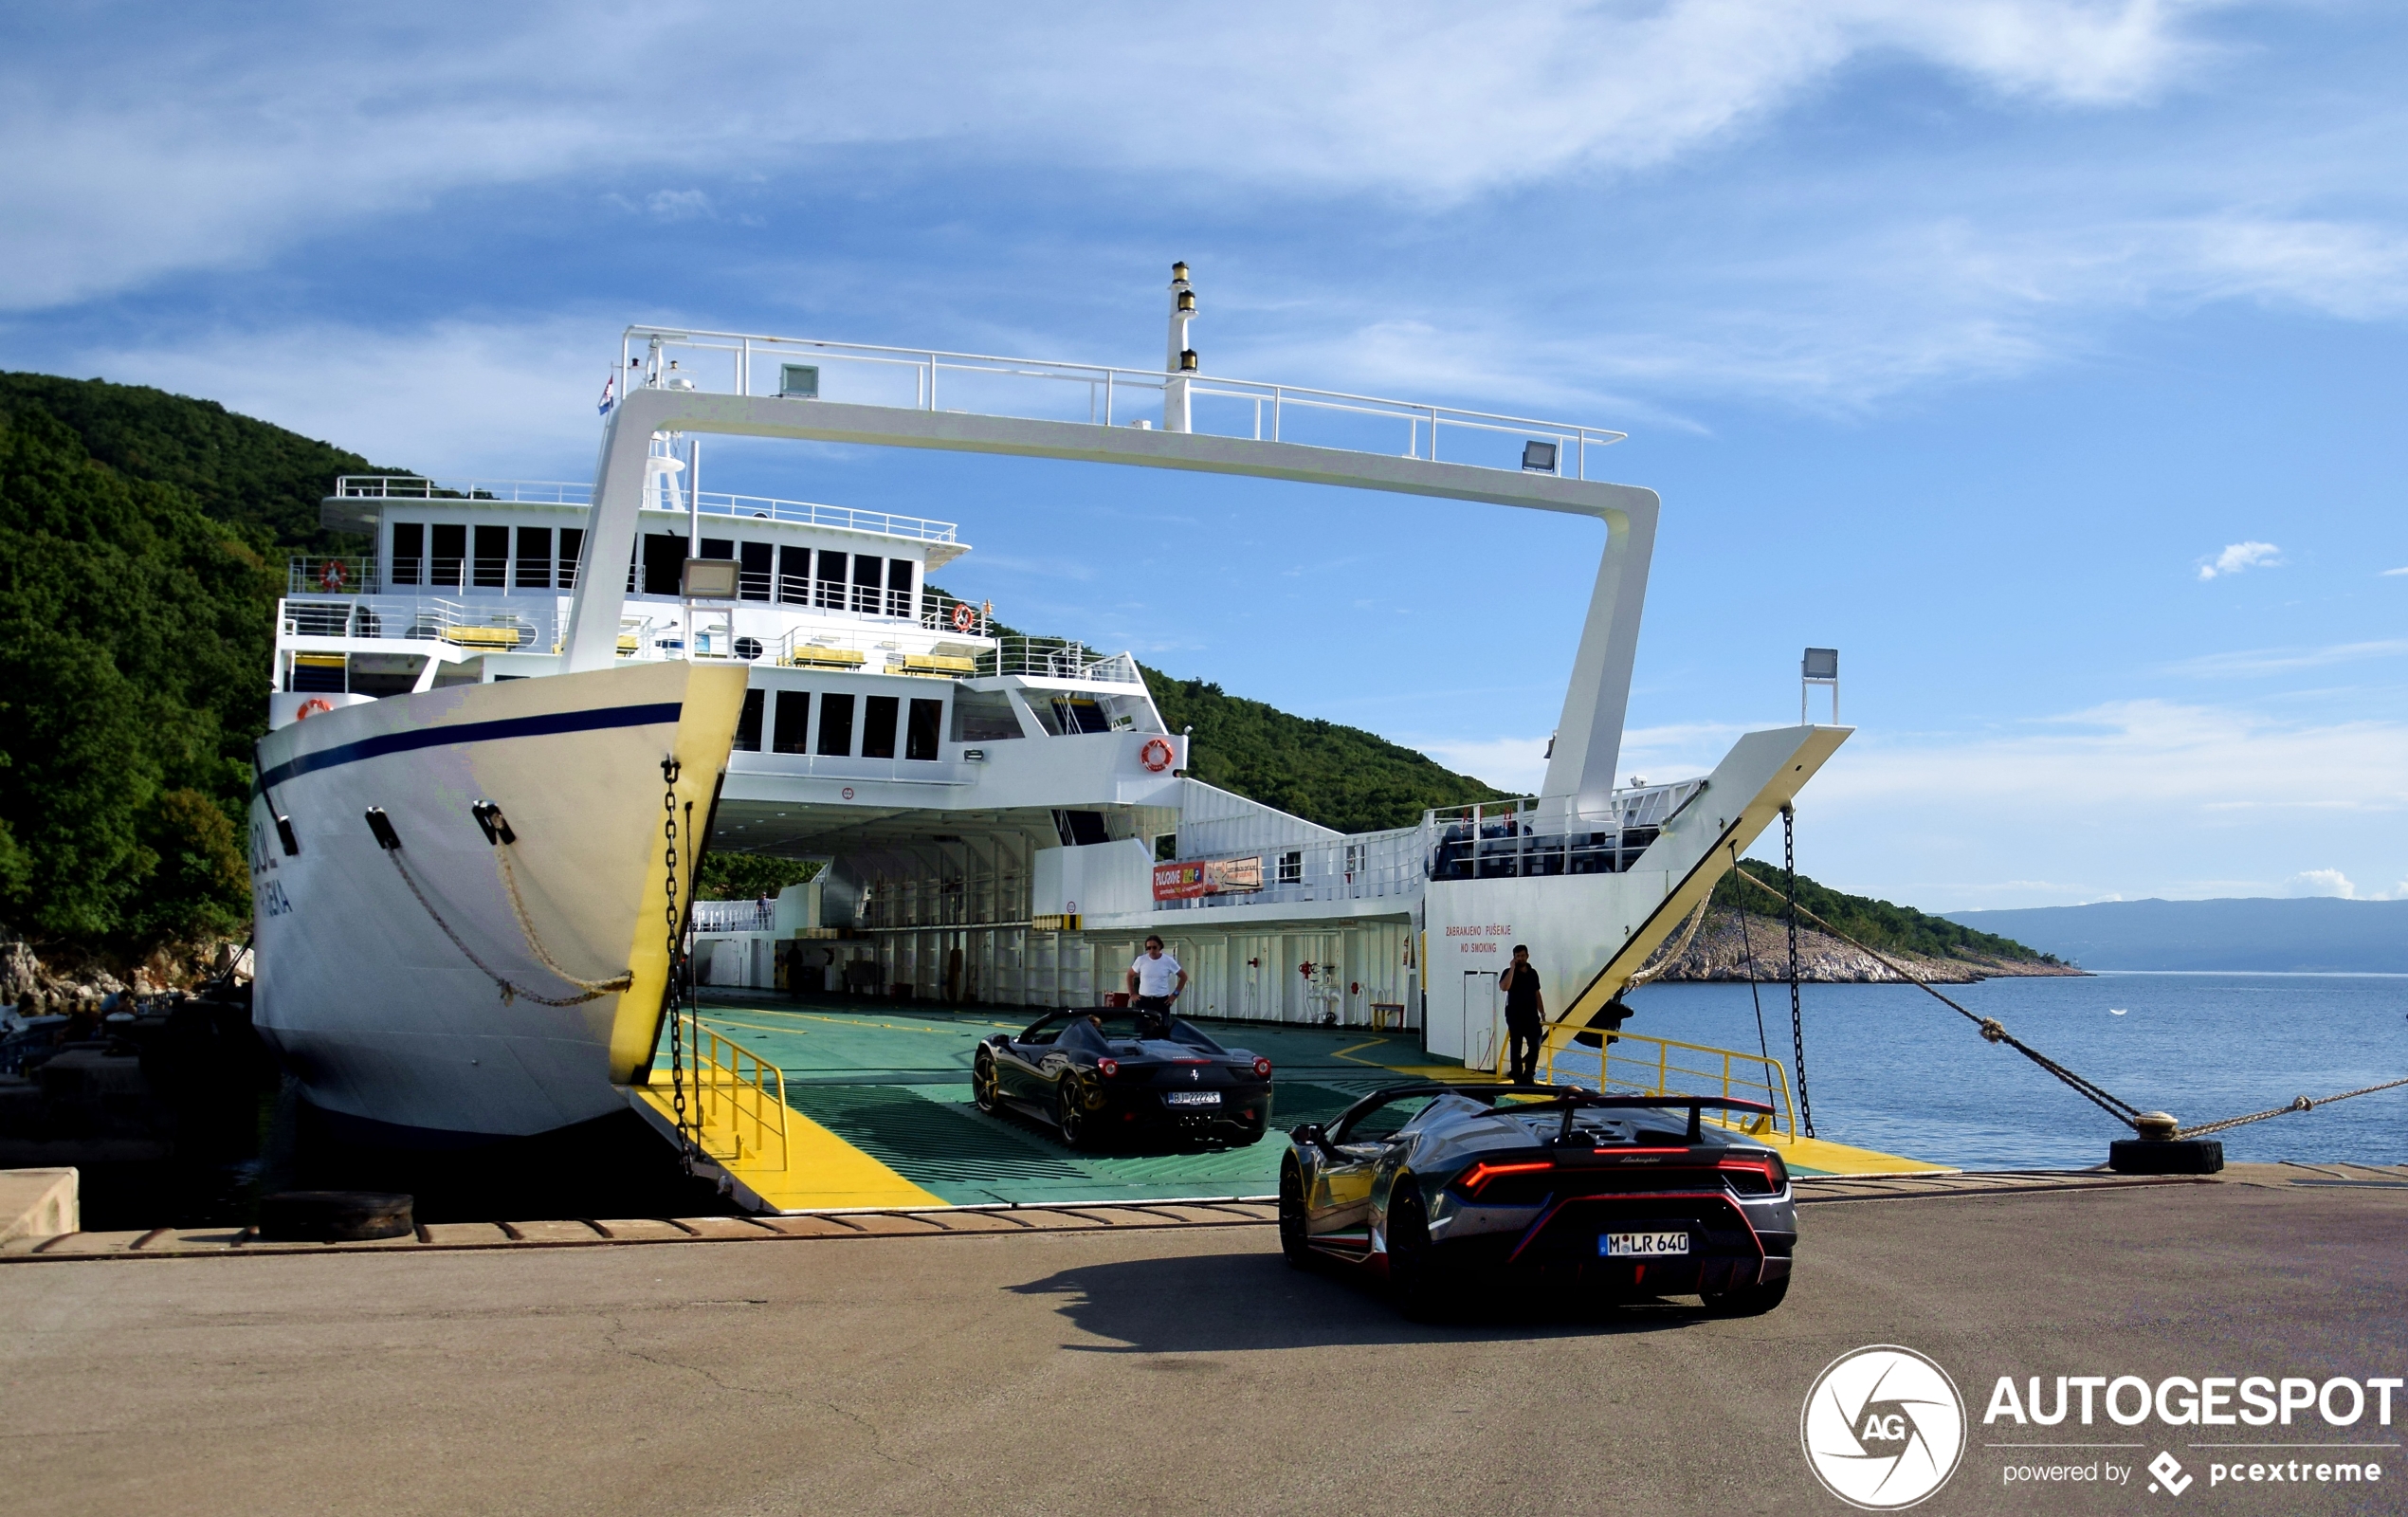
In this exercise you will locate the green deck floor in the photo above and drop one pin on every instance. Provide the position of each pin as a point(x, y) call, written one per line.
point(895, 1083)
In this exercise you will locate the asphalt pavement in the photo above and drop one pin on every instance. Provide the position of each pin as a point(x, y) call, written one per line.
point(1168, 1371)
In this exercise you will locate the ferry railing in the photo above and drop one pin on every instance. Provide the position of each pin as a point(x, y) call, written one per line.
point(421, 619)
point(1634, 1064)
point(940, 612)
point(738, 1099)
point(734, 916)
point(352, 573)
point(713, 502)
point(1105, 394)
point(1510, 839)
point(1055, 658)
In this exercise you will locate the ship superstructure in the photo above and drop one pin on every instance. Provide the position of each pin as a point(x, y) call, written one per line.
point(1002, 820)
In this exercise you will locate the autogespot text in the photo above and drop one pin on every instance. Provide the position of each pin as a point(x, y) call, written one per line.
point(2313, 1408)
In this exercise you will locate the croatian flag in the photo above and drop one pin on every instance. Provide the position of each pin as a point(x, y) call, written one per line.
point(610, 387)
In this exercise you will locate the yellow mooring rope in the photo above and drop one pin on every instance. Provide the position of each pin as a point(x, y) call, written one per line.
point(1996, 1032)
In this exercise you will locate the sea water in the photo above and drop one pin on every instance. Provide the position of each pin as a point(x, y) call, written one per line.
point(1889, 1068)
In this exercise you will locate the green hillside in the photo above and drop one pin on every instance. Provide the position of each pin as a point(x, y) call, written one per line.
point(1894, 928)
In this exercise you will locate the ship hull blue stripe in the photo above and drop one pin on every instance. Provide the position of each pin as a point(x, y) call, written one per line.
point(542, 726)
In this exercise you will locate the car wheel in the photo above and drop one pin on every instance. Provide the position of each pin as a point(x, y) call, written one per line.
point(1292, 1214)
point(1070, 1117)
point(982, 1080)
point(1747, 1301)
point(1416, 1281)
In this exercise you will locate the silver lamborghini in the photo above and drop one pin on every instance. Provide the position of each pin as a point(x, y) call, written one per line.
point(1443, 1188)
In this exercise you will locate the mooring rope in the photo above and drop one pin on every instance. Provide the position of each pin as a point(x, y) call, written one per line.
point(1996, 1032)
point(510, 990)
point(518, 909)
point(1674, 955)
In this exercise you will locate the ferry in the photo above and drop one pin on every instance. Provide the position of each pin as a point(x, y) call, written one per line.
point(499, 740)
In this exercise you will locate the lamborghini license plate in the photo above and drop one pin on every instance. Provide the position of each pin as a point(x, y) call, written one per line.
point(1194, 1098)
point(1642, 1245)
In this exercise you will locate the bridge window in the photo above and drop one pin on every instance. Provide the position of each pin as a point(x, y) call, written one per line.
point(448, 553)
point(794, 577)
point(664, 562)
point(877, 726)
point(983, 716)
point(868, 569)
point(492, 569)
point(572, 546)
point(752, 579)
point(748, 726)
point(921, 741)
point(410, 551)
point(830, 592)
point(899, 587)
point(793, 733)
point(836, 725)
point(534, 568)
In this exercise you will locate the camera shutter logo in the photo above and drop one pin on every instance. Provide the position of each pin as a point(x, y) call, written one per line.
point(1883, 1428)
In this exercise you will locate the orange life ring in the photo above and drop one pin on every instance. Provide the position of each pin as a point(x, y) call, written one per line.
point(1156, 756)
point(331, 577)
point(313, 703)
point(964, 619)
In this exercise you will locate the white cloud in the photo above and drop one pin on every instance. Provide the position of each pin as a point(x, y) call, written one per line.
point(1515, 764)
point(196, 143)
point(2321, 882)
point(2239, 555)
point(2286, 660)
point(2389, 573)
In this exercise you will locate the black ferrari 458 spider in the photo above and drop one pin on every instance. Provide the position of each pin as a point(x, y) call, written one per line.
point(1448, 1189)
point(1114, 1076)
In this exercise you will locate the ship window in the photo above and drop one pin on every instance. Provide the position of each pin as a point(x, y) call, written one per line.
point(921, 741)
point(1291, 868)
point(410, 548)
point(868, 569)
point(877, 726)
point(1077, 713)
point(534, 570)
point(572, 545)
point(753, 578)
point(492, 569)
point(899, 587)
point(719, 547)
point(836, 725)
point(664, 562)
point(793, 733)
point(793, 576)
point(983, 716)
point(832, 580)
point(449, 551)
point(1080, 829)
point(748, 726)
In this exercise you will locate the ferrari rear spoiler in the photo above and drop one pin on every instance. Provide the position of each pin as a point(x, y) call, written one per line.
point(1568, 1099)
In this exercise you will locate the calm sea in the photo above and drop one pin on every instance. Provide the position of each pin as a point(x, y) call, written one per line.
point(1888, 1068)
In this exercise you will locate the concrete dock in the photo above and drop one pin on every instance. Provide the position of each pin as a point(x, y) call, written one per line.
point(1165, 1358)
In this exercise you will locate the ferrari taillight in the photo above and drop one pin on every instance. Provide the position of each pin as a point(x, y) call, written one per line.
point(1261, 1069)
point(1108, 1067)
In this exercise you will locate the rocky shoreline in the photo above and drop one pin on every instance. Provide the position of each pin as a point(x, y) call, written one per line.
point(35, 989)
point(1724, 942)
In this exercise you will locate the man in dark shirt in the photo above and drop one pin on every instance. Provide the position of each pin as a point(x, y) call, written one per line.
point(1525, 1015)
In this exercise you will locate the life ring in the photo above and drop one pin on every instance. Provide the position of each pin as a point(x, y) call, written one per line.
point(313, 704)
point(1156, 756)
point(964, 619)
point(331, 575)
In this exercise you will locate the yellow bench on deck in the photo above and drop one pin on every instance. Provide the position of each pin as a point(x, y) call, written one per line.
point(938, 666)
point(482, 636)
point(827, 658)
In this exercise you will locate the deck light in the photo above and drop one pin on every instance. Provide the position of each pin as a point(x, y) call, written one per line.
point(1538, 458)
point(799, 381)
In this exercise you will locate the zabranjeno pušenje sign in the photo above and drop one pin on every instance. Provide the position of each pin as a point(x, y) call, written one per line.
point(1202, 877)
point(1884, 1429)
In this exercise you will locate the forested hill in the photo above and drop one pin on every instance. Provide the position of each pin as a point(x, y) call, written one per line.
point(1878, 923)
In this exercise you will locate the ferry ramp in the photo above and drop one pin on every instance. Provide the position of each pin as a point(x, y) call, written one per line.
point(878, 1112)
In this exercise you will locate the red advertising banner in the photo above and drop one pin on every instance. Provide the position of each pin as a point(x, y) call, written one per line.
point(1202, 877)
point(1178, 881)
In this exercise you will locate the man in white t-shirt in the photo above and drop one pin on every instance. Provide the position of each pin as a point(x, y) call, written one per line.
point(1156, 979)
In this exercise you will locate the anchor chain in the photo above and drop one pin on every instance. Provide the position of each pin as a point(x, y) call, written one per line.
point(671, 996)
point(1797, 1008)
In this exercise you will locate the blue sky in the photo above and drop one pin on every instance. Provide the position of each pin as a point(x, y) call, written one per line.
point(2044, 357)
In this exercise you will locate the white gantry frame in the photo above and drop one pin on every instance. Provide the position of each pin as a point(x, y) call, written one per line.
point(1580, 780)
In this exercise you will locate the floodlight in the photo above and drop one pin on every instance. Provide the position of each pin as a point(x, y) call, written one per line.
point(799, 381)
point(708, 579)
point(1538, 458)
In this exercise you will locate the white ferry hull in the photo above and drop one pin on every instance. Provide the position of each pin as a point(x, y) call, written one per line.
point(378, 1012)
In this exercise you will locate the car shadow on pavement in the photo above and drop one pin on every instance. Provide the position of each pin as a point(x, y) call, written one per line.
point(1221, 1302)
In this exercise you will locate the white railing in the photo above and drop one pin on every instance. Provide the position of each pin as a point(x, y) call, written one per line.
point(1104, 394)
point(735, 916)
point(339, 575)
point(550, 492)
point(1510, 838)
point(478, 626)
point(1364, 867)
point(1054, 658)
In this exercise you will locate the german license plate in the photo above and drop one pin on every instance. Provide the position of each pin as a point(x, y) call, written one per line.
point(1642, 1245)
point(1194, 1098)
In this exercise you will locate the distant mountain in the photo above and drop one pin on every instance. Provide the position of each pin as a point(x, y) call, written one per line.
point(2262, 936)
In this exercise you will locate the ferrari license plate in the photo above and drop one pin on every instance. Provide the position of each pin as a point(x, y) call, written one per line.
point(1642, 1245)
point(1194, 1097)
